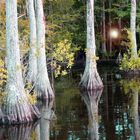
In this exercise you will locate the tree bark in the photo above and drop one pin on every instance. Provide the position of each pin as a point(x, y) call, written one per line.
point(91, 78)
point(136, 115)
point(43, 86)
point(104, 29)
point(133, 27)
point(32, 69)
point(110, 24)
point(17, 108)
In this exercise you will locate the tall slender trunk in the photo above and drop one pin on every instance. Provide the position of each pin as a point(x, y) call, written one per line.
point(120, 27)
point(32, 70)
point(110, 25)
point(104, 29)
point(17, 107)
point(136, 115)
point(91, 78)
point(43, 86)
point(133, 27)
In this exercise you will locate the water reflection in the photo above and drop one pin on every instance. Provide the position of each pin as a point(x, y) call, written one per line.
point(39, 130)
point(17, 132)
point(47, 115)
point(132, 89)
point(77, 116)
point(91, 99)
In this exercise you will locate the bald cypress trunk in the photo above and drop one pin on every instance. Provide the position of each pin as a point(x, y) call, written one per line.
point(136, 115)
point(43, 86)
point(91, 78)
point(133, 27)
point(104, 30)
point(110, 26)
point(17, 108)
point(32, 70)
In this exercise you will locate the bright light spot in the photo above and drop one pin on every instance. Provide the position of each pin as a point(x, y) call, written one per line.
point(114, 33)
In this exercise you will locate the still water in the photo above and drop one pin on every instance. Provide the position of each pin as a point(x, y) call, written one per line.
point(111, 114)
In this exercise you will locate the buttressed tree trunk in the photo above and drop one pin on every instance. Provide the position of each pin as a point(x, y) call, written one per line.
point(43, 86)
point(133, 27)
point(91, 78)
point(17, 108)
point(32, 70)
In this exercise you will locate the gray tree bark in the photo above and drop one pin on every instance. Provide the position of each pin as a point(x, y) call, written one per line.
point(17, 108)
point(136, 115)
point(110, 25)
point(32, 69)
point(104, 29)
point(91, 78)
point(43, 86)
point(133, 27)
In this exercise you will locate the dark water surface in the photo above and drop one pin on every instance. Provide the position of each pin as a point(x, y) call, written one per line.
point(111, 114)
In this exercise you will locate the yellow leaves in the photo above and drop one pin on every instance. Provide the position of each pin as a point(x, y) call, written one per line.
point(130, 84)
point(2, 98)
point(132, 63)
point(63, 57)
point(64, 72)
point(91, 55)
point(3, 75)
point(32, 98)
point(127, 39)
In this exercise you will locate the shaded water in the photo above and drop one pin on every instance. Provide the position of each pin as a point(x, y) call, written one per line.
point(108, 115)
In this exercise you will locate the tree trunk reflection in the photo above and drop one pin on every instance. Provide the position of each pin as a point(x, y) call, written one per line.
point(91, 99)
point(47, 115)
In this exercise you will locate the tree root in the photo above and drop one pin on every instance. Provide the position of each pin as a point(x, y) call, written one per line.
point(44, 92)
point(91, 81)
point(19, 113)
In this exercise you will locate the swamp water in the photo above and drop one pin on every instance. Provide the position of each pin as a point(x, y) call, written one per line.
point(111, 114)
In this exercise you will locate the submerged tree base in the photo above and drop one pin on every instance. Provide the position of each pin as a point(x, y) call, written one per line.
point(18, 115)
point(18, 111)
point(91, 81)
point(45, 94)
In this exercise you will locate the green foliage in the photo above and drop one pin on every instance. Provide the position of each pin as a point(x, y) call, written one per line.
point(62, 57)
point(130, 84)
point(129, 62)
point(131, 88)
point(132, 63)
point(126, 37)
